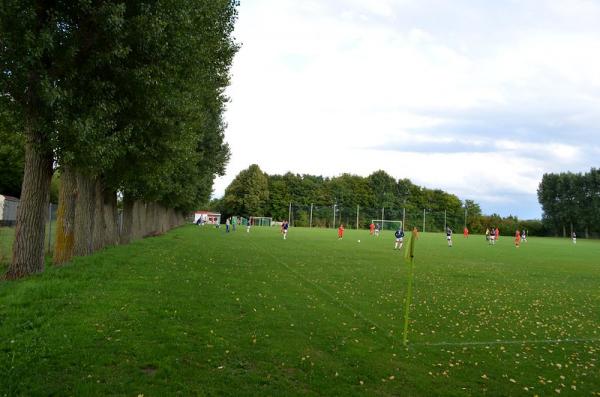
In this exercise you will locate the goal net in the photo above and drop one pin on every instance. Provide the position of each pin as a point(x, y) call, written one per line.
point(261, 221)
point(386, 224)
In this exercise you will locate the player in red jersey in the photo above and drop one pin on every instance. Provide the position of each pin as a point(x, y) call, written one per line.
point(341, 232)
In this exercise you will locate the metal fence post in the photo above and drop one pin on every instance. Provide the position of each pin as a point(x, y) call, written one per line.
point(333, 225)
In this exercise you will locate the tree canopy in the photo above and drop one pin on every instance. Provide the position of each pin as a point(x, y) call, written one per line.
point(121, 96)
point(571, 202)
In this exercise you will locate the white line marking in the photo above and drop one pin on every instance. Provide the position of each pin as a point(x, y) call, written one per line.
point(507, 342)
point(329, 295)
point(426, 344)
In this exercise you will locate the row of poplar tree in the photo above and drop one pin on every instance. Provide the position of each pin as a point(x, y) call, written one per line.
point(571, 202)
point(125, 100)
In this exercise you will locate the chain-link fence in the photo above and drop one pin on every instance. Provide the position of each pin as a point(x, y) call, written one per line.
point(8, 216)
point(360, 218)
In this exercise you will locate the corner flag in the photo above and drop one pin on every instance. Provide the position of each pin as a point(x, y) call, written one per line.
point(409, 256)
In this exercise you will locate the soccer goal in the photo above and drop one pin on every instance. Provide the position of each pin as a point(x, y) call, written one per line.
point(261, 221)
point(386, 224)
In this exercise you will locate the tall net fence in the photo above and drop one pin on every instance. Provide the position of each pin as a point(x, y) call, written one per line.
point(360, 218)
point(8, 216)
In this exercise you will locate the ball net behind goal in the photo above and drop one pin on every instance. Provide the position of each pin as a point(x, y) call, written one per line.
point(387, 224)
point(260, 221)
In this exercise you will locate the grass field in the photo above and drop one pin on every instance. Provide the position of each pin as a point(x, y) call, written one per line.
point(7, 236)
point(202, 312)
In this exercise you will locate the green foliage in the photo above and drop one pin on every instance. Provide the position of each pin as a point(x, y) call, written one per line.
point(12, 156)
point(571, 202)
point(384, 188)
point(131, 92)
point(54, 188)
point(175, 146)
point(202, 312)
point(346, 192)
point(247, 194)
point(34, 42)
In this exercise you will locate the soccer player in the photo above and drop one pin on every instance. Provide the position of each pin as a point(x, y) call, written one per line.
point(487, 234)
point(377, 228)
point(466, 232)
point(233, 222)
point(574, 237)
point(399, 238)
point(492, 239)
point(524, 235)
point(497, 234)
point(284, 229)
point(449, 236)
point(248, 226)
point(415, 232)
point(517, 239)
point(371, 228)
point(227, 223)
point(341, 232)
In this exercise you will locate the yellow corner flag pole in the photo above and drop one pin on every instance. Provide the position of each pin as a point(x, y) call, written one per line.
point(409, 255)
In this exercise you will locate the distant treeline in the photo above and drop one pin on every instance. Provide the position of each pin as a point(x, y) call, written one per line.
point(571, 202)
point(255, 193)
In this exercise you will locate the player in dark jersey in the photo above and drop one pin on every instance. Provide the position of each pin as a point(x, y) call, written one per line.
point(284, 229)
point(399, 238)
point(449, 236)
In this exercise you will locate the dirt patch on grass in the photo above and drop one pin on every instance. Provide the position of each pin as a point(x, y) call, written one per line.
point(149, 369)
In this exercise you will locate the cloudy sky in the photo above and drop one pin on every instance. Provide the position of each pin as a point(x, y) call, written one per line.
point(478, 98)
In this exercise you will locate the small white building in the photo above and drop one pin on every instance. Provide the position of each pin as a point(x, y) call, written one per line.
point(8, 210)
point(212, 218)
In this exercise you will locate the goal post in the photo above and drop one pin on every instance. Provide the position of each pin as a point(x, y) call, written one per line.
point(387, 224)
point(261, 221)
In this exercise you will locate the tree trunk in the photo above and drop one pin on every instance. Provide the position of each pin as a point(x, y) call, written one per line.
point(111, 236)
point(127, 227)
point(63, 248)
point(148, 219)
point(138, 220)
point(156, 208)
point(98, 227)
point(163, 219)
point(84, 215)
point(32, 214)
point(571, 228)
point(135, 229)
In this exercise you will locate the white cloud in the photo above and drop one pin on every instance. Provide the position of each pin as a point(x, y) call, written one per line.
point(318, 85)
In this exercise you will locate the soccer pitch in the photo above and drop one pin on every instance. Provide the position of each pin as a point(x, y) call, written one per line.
point(493, 319)
point(204, 311)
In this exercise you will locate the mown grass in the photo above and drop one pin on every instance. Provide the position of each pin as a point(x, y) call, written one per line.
point(7, 237)
point(202, 312)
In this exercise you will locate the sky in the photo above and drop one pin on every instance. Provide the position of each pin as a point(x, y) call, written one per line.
point(477, 98)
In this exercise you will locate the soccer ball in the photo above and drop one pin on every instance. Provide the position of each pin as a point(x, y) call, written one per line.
point(359, 241)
